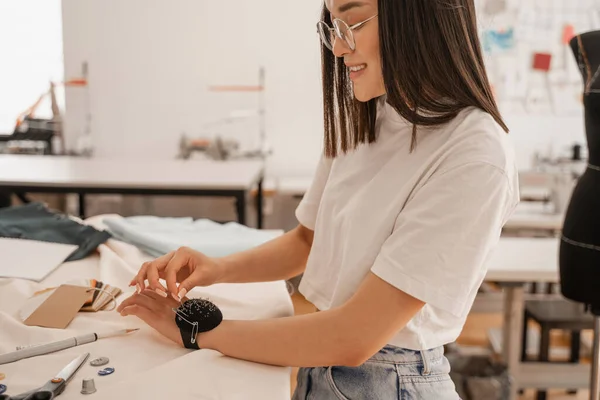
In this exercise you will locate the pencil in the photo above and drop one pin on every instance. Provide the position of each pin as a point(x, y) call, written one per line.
point(52, 347)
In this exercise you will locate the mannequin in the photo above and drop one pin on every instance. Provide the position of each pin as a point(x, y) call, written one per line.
point(579, 257)
point(580, 245)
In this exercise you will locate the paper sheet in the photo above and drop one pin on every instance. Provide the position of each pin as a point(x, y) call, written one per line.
point(31, 259)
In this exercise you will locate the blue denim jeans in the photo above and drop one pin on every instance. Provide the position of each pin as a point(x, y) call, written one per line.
point(392, 373)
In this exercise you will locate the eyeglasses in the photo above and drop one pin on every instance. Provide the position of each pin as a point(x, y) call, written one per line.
point(340, 30)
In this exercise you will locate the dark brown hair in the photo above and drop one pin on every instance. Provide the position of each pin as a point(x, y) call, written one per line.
point(432, 68)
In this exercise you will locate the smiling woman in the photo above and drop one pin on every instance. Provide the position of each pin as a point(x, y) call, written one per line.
point(424, 55)
point(416, 181)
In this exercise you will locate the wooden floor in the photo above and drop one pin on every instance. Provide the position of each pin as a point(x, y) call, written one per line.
point(474, 333)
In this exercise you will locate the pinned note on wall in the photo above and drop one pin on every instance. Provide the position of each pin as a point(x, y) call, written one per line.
point(542, 61)
point(568, 33)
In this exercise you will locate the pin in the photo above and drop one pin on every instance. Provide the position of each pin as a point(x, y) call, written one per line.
point(106, 371)
point(2, 388)
point(98, 362)
point(88, 386)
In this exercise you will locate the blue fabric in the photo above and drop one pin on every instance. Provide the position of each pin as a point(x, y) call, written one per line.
point(158, 236)
point(392, 373)
point(34, 221)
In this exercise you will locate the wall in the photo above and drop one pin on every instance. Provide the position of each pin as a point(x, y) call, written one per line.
point(150, 64)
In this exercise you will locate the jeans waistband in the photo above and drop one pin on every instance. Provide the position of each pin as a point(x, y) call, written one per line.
point(400, 355)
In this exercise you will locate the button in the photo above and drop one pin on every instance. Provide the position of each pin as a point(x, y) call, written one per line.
point(2, 388)
point(106, 371)
point(57, 380)
point(98, 362)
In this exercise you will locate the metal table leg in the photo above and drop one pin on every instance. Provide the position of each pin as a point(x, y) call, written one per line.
point(259, 205)
point(81, 197)
point(595, 381)
point(514, 307)
point(5, 199)
point(240, 205)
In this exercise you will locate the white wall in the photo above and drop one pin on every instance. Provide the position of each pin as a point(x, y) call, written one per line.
point(151, 61)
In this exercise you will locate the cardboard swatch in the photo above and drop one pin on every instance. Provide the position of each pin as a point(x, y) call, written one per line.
point(58, 309)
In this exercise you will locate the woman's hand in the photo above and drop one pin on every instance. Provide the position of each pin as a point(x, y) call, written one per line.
point(155, 310)
point(188, 267)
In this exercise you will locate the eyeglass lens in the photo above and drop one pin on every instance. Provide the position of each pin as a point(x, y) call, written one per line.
point(340, 30)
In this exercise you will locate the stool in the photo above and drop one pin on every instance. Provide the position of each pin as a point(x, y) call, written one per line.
point(560, 314)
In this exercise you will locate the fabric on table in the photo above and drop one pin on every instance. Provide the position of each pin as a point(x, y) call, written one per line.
point(158, 236)
point(35, 221)
point(146, 364)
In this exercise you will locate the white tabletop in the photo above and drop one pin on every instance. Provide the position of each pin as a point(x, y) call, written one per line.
point(524, 259)
point(67, 172)
point(147, 365)
point(535, 215)
point(294, 186)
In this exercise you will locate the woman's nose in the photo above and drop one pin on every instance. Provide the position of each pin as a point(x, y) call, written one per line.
point(340, 47)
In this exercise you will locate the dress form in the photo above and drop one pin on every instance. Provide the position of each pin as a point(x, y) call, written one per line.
point(580, 245)
point(579, 258)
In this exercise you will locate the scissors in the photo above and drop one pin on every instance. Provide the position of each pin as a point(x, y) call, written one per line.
point(54, 386)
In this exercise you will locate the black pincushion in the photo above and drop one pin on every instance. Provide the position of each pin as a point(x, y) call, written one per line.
point(198, 314)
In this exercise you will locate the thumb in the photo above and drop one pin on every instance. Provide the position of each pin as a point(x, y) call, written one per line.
point(185, 287)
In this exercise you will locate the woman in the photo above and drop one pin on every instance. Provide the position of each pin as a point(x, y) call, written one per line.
point(409, 198)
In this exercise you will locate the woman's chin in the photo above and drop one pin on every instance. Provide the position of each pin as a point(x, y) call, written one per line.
point(363, 95)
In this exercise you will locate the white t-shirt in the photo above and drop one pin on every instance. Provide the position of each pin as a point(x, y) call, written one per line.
point(425, 222)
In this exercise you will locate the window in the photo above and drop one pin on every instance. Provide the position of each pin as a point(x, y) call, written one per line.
point(32, 56)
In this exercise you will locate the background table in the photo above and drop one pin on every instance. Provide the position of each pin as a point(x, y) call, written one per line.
point(53, 174)
point(514, 263)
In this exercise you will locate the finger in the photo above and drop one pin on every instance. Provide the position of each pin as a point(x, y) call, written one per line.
point(140, 278)
point(124, 303)
point(185, 286)
point(153, 276)
point(142, 275)
point(159, 299)
point(180, 260)
point(141, 299)
point(139, 311)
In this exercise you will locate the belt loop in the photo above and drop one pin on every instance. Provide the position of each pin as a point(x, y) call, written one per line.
point(426, 363)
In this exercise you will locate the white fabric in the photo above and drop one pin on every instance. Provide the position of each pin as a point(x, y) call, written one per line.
point(147, 365)
point(425, 222)
point(159, 235)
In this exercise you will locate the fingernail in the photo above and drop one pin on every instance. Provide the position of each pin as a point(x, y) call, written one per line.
point(181, 294)
point(139, 289)
point(175, 297)
point(160, 292)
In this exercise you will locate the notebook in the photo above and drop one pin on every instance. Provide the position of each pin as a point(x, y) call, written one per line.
point(31, 259)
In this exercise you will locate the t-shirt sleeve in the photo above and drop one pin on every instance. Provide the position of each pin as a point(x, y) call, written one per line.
point(307, 210)
point(441, 238)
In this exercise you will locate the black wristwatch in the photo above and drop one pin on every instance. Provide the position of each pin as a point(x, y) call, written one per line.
point(188, 330)
point(196, 316)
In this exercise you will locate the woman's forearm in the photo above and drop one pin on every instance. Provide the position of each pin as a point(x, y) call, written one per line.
point(346, 335)
point(317, 339)
point(278, 259)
